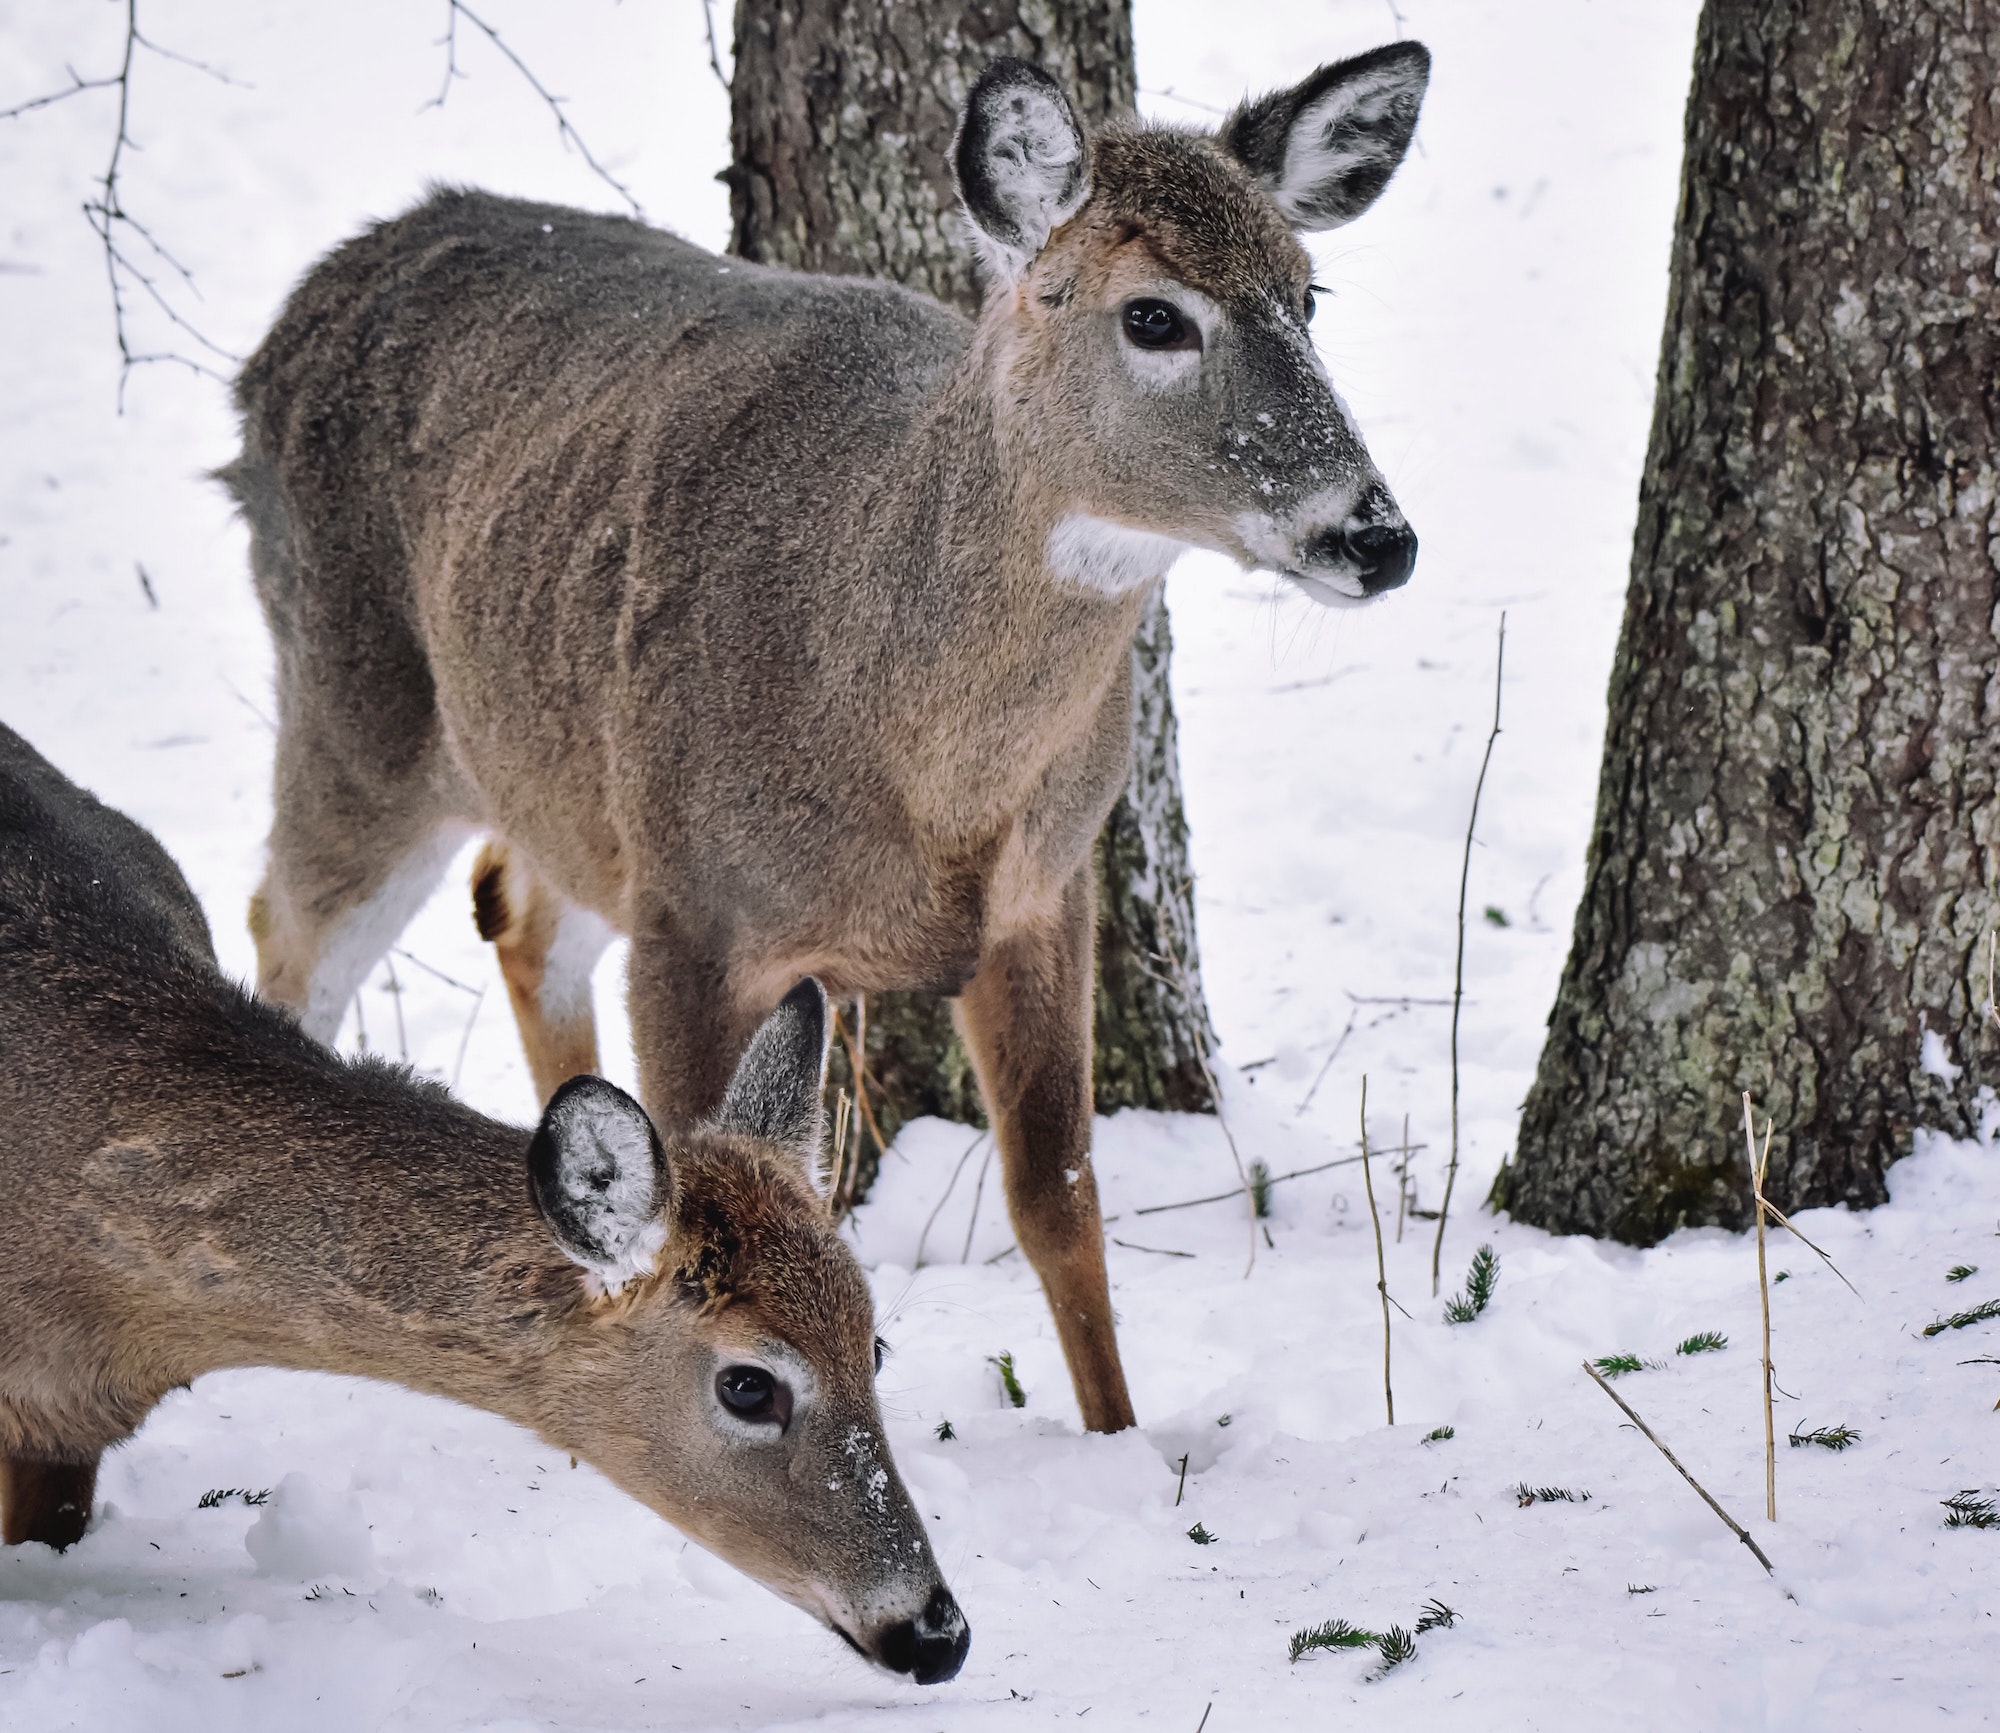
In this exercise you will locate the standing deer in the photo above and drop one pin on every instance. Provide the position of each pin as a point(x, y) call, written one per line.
point(192, 1183)
point(783, 622)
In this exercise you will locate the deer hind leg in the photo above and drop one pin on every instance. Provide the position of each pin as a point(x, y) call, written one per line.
point(547, 948)
point(1026, 1017)
point(350, 863)
point(45, 1501)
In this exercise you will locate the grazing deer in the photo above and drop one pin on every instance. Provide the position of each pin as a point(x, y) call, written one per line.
point(783, 622)
point(191, 1182)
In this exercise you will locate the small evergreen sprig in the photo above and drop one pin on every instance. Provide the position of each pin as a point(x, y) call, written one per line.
point(1831, 1437)
point(1260, 1189)
point(1525, 1495)
point(1968, 1510)
point(1480, 1281)
point(1617, 1365)
point(1009, 1380)
point(1438, 1434)
point(1334, 1634)
point(1961, 1272)
point(217, 1496)
point(1704, 1342)
point(1959, 1320)
point(1395, 1646)
point(945, 1432)
point(1200, 1536)
point(1436, 1616)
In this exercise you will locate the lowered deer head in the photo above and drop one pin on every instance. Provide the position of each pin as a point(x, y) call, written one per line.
point(1149, 312)
point(746, 1350)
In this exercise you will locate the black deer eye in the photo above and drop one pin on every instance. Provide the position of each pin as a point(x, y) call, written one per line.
point(881, 1352)
point(1312, 302)
point(747, 1391)
point(1158, 325)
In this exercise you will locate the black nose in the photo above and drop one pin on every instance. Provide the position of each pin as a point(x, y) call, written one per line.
point(1386, 555)
point(931, 1649)
point(1382, 556)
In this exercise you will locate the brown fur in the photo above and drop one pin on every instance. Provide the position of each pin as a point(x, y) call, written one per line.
point(727, 599)
point(191, 1183)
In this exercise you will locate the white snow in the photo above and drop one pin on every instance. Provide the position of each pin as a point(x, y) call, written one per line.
point(1494, 322)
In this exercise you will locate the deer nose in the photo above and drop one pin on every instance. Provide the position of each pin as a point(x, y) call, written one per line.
point(931, 1647)
point(1380, 555)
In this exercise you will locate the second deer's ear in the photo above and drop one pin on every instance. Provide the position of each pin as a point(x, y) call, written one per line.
point(1326, 148)
point(599, 1179)
point(1021, 162)
point(775, 1094)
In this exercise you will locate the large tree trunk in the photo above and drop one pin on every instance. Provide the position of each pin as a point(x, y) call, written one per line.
point(842, 114)
point(1791, 876)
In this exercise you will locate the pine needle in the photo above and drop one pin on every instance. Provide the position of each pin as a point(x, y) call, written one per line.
point(1831, 1437)
point(1968, 1510)
point(1704, 1342)
point(1334, 1634)
point(1480, 1282)
point(1959, 1320)
point(1009, 1381)
point(1617, 1365)
point(1440, 1434)
point(1525, 1495)
point(1959, 1272)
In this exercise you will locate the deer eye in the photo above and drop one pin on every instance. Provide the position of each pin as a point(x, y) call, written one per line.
point(881, 1352)
point(749, 1392)
point(1158, 325)
point(1312, 302)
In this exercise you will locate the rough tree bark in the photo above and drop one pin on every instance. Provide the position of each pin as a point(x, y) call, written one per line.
point(841, 121)
point(1791, 878)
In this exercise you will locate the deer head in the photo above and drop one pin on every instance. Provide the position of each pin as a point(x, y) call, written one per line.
point(1146, 328)
point(728, 1370)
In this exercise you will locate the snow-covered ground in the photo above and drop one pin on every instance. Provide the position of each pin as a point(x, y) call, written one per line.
point(1494, 323)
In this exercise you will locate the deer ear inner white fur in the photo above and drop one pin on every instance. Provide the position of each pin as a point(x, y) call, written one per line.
point(1021, 162)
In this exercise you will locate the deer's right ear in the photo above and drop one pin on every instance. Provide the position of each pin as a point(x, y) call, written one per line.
point(1021, 162)
point(1326, 148)
point(599, 1178)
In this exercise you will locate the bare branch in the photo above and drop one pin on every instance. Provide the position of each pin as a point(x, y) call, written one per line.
point(714, 53)
point(1458, 972)
point(457, 9)
point(107, 216)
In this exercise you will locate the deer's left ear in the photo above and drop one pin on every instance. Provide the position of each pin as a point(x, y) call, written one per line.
point(600, 1180)
point(775, 1094)
point(1021, 161)
point(1326, 148)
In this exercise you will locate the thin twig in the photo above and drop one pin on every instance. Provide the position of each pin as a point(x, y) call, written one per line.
point(1403, 1179)
point(436, 973)
point(1157, 1251)
point(978, 1193)
point(396, 993)
point(1735, 1527)
point(1458, 970)
point(109, 220)
point(945, 1197)
point(456, 9)
point(1381, 1266)
point(714, 54)
point(1307, 1100)
point(1784, 1221)
point(1155, 1209)
point(465, 1039)
point(1757, 1168)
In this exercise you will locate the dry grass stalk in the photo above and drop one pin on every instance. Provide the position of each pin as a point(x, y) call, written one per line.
point(1458, 971)
point(1381, 1265)
point(843, 1113)
point(1735, 1527)
point(1759, 1162)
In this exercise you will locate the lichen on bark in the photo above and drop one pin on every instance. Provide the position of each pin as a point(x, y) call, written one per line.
point(1792, 868)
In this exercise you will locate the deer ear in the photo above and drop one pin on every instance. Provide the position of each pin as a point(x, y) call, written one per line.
point(1326, 148)
point(1021, 162)
point(599, 1178)
point(775, 1094)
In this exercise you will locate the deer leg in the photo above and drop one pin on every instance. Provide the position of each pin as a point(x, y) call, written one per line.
point(45, 1501)
point(1026, 1019)
point(688, 1030)
point(547, 948)
point(351, 860)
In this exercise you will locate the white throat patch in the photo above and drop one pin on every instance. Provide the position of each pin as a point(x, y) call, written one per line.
point(1108, 557)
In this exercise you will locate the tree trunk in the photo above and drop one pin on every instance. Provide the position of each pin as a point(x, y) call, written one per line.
point(842, 114)
point(1790, 882)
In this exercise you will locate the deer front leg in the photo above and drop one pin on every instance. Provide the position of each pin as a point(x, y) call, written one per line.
point(688, 1030)
point(1027, 1019)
